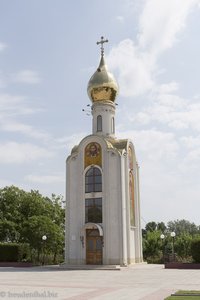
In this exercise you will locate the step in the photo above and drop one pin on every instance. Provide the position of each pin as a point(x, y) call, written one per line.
point(91, 267)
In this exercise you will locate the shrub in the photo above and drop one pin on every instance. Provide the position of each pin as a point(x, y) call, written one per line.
point(195, 250)
point(24, 252)
point(13, 252)
point(9, 252)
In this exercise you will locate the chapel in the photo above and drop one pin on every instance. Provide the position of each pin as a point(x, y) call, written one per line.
point(102, 185)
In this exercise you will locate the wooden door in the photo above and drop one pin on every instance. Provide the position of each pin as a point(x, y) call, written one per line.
point(93, 247)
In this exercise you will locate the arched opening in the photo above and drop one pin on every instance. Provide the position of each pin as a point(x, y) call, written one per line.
point(99, 123)
point(113, 125)
point(93, 180)
point(94, 243)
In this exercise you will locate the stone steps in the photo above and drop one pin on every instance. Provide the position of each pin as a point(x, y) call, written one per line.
point(90, 267)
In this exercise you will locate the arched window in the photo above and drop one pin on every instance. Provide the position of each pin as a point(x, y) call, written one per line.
point(112, 125)
point(99, 123)
point(93, 180)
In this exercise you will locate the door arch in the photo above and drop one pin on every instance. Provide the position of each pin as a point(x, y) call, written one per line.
point(94, 243)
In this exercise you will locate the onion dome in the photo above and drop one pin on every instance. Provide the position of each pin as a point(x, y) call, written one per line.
point(102, 86)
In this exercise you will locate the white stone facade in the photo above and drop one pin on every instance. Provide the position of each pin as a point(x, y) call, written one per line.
point(122, 243)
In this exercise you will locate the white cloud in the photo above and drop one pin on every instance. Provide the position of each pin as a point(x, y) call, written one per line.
point(15, 126)
point(168, 18)
point(11, 105)
point(171, 110)
point(120, 19)
point(11, 108)
point(69, 142)
point(167, 88)
point(191, 158)
point(26, 76)
point(2, 46)
point(45, 179)
point(167, 193)
point(153, 144)
point(136, 62)
point(12, 152)
point(134, 68)
point(2, 80)
point(157, 154)
point(169, 173)
point(191, 142)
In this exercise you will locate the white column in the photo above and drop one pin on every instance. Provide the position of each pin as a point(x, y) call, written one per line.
point(123, 199)
point(139, 255)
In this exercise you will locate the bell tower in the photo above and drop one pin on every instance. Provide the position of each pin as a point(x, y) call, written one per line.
point(102, 186)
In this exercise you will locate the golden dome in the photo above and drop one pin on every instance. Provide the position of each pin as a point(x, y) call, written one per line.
point(102, 86)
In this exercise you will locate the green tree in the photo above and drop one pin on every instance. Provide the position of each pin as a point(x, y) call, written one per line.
point(10, 217)
point(152, 246)
point(183, 246)
point(27, 216)
point(38, 226)
point(151, 226)
point(162, 227)
point(8, 231)
point(183, 227)
point(195, 249)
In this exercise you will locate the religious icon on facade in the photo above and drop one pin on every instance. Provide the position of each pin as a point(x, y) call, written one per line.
point(93, 154)
point(93, 149)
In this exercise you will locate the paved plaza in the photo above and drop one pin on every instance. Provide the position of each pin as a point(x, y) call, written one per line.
point(144, 282)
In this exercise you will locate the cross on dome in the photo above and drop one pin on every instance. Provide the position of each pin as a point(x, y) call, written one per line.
point(102, 41)
point(102, 86)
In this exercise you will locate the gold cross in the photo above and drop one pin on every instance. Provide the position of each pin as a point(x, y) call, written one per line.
point(102, 41)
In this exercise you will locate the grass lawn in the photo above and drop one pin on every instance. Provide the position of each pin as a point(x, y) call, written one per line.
point(185, 295)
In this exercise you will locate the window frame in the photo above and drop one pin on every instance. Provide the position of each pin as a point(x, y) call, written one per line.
point(93, 180)
point(99, 123)
point(113, 125)
point(95, 206)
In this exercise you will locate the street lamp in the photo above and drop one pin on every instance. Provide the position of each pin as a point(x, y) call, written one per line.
point(162, 238)
point(173, 234)
point(44, 238)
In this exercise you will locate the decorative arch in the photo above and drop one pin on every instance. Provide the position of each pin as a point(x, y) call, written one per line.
point(92, 226)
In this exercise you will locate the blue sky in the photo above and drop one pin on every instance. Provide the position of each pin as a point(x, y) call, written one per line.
point(48, 52)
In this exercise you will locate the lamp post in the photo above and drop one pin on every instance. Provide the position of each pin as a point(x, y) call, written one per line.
point(162, 238)
point(44, 238)
point(173, 234)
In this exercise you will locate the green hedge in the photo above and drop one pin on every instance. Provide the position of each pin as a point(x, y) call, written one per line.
point(13, 252)
point(195, 250)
